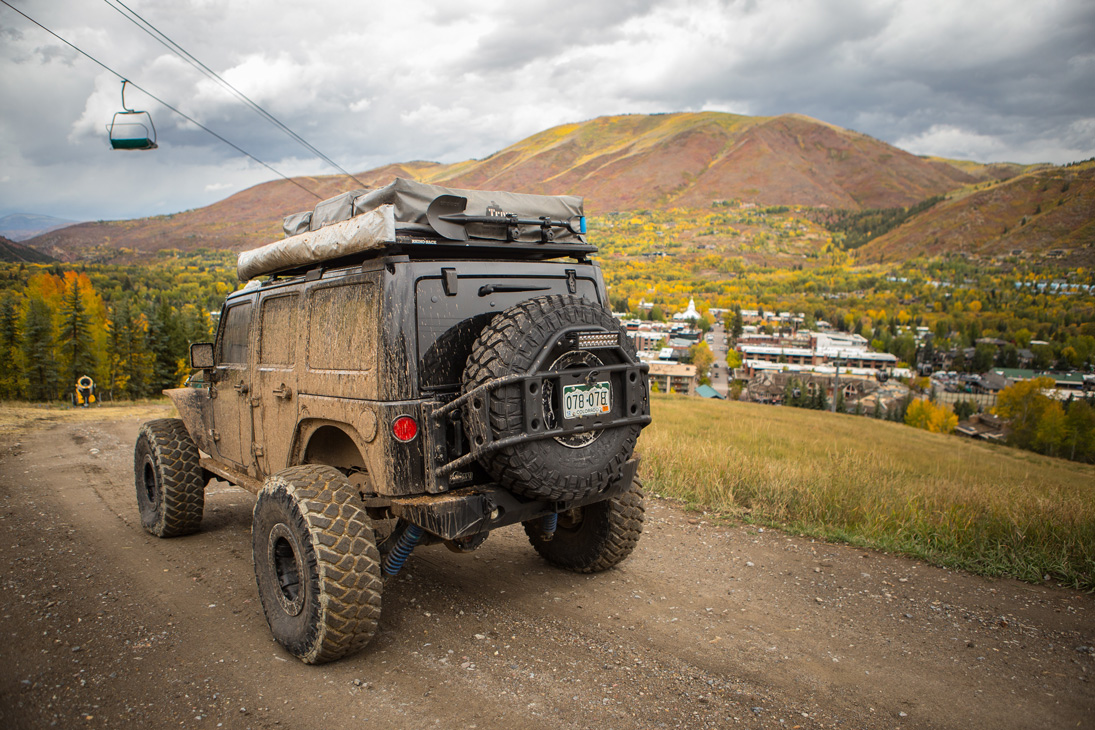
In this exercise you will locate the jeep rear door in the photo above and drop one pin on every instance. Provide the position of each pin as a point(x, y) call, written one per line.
point(274, 381)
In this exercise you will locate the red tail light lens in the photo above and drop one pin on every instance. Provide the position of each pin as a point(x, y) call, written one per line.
point(404, 428)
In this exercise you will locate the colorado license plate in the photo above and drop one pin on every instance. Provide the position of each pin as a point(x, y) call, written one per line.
point(587, 400)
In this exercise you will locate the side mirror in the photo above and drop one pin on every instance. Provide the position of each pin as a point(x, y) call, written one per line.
point(201, 355)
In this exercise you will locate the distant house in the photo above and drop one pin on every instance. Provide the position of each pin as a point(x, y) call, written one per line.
point(819, 351)
point(706, 391)
point(672, 377)
point(983, 426)
point(1063, 383)
point(772, 386)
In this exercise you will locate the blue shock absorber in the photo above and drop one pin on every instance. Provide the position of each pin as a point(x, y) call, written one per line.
point(547, 526)
point(393, 563)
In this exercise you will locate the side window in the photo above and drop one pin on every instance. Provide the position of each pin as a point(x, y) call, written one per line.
point(233, 342)
point(279, 330)
point(342, 326)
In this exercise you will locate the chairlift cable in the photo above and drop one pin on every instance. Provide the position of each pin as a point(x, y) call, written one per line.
point(162, 102)
point(178, 50)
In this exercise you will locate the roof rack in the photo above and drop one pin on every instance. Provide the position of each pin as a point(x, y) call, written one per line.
point(424, 221)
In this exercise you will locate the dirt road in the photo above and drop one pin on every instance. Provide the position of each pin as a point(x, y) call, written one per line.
point(704, 626)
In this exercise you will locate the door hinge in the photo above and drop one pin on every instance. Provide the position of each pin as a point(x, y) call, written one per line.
point(256, 449)
point(214, 435)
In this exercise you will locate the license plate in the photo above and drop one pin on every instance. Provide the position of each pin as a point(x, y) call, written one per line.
point(582, 400)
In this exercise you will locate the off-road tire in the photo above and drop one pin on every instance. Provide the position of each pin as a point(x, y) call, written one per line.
point(541, 469)
point(170, 481)
point(316, 563)
point(595, 537)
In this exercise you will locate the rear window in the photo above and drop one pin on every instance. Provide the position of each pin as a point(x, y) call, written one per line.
point(449, 323)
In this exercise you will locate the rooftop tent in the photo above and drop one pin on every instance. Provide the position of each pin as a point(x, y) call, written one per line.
point(130, 129)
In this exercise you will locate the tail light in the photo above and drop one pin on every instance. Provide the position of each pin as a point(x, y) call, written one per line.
point(404, 428)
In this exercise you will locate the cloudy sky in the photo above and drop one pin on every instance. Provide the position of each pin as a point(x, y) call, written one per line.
point(374, 82)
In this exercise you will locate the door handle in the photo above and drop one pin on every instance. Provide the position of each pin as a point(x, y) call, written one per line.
point(242, 388)
point(283, 391)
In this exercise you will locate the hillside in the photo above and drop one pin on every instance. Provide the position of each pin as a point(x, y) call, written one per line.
point(690, 160)
point(629, 162)
point(13, 252)
point(1045, 212)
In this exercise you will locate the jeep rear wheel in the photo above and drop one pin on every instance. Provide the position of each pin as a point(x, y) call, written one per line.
point(595, 537)
point(170, 482)
point(564, 467)
point(316, 563)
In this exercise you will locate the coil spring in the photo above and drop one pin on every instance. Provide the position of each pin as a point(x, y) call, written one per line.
point(393, 563)
point(548, 524)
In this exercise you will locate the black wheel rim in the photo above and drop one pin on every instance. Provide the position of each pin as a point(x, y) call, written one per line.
point(569, 360)
point(288, 569)
point(151, 483)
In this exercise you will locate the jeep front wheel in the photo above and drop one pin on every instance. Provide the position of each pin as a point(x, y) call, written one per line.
point(595, 537)
point(316, 563)
point(169, 479)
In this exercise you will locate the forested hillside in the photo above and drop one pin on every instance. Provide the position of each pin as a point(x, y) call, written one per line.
point(127, 327)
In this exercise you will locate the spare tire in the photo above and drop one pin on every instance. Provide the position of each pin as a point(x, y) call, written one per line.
point(559, 468)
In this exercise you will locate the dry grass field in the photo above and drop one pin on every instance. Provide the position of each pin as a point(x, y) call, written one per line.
point(989, 509)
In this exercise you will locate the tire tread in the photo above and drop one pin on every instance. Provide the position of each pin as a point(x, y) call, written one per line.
point(182, 481)
point(346, 559)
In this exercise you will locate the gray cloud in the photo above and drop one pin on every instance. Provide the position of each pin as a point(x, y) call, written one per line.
point(370, 84)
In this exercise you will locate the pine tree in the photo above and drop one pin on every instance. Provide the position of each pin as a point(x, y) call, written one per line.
point(737, 325)
point(11, 372)
point(128, 357)
point(75, 339)
point(38, 351)
point(159, 340)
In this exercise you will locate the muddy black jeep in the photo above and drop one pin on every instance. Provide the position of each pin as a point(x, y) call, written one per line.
point(410, 365)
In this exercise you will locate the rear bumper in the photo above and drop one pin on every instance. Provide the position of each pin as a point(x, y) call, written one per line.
point(471, 510)
point(631, 406)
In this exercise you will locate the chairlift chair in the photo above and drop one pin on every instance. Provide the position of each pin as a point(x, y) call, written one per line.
point(130, 129)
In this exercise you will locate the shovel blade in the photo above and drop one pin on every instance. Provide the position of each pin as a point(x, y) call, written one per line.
point(444, 205)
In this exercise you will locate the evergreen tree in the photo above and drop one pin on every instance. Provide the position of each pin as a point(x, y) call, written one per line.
point(126, 351)
point(38, 351)
point(11, 373)
point(737, 326)
point(164, 360)
point(75, 340)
